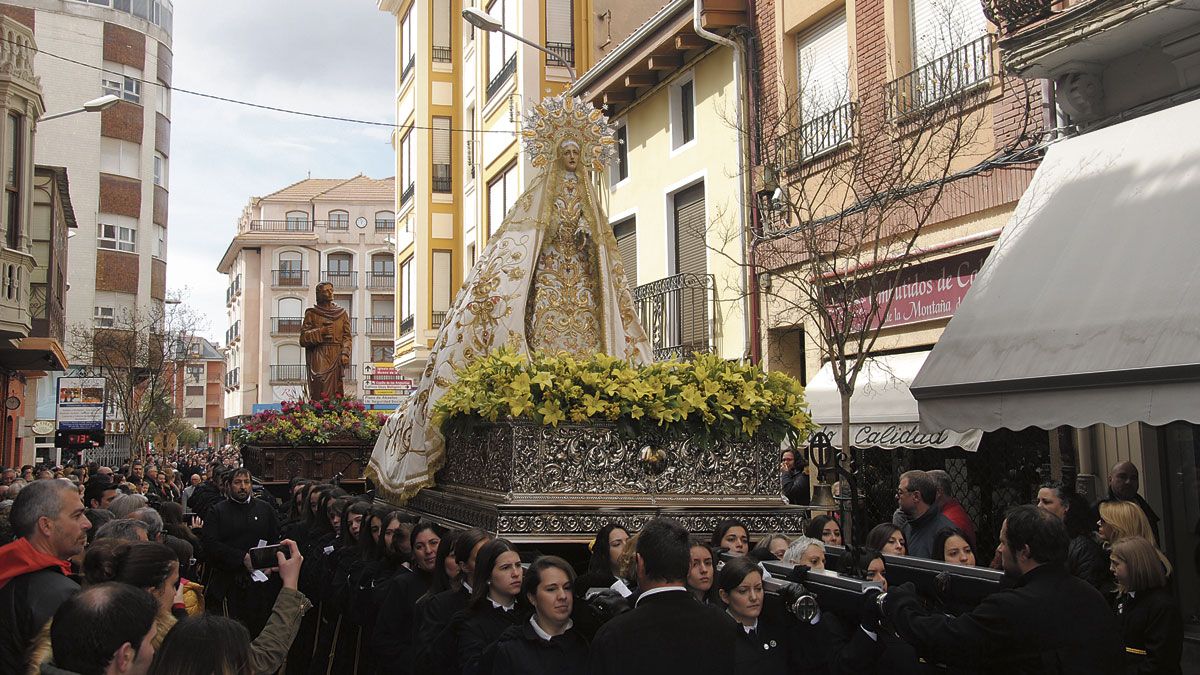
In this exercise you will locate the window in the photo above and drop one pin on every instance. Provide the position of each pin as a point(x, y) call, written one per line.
point(407, 292)
point(292, 308)
point(469, 137)
point(160, 170)
point(195, 373)
point(502, 193)
point(160, 242)
point(383, 263)
point(121, 80)
point(297, 221)
point(339, 220)
point(501, 48)
point(620, 168)
point(289, 355)
point(941, 26)
point(441, 31)
point(122, 158)
point(560, 40)
point(14, 173)
point(407, 51)
point(683, 121)
point(194, 390)
point(823, 70)
point(290, 260)
point(195, 413)
point(406, 166)
point(162, 102)
point(625, 232)
point(115, 234)
point(442, 281)
point(381, 352)
point(339, 263)
point(385, 221)
point(104, 317)
point(441, 154)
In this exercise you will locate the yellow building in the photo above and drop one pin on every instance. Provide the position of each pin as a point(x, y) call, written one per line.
point(675, 192)
point(460, 96)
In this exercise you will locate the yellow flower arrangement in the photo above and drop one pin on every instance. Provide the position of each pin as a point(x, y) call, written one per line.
point(707, 397)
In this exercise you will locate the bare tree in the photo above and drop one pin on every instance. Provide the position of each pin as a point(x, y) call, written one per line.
point(137, 354)
point(849, 188)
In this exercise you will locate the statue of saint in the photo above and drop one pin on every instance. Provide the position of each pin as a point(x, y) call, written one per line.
point(549, 280)
point(326, 338)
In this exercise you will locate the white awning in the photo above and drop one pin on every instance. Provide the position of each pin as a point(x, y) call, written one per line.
point(1088, 309)
point(883, 413)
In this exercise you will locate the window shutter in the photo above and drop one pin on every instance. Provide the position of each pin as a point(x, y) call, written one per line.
point(823, 62)
point(559, 16)
point(441, 23)
point(691, 325)
point(441, 281)
point(940, 26)
point(441, 140)
point(511, 190)
point(626, 234)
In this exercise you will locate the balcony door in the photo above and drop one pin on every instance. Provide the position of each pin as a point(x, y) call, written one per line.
point(338, 270)
point(687, 298)
point(291, 266)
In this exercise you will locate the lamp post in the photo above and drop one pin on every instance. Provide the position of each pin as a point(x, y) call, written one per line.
point(95, 105)
point(486, 22)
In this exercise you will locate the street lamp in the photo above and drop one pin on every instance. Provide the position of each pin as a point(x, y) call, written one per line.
point(95, 105)
point(486, 22)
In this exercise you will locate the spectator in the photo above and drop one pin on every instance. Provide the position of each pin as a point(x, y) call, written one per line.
point(233, 527)
point(98, 518)
point(774, 544)
point(951, 545)
point(701, 573)
point(208, 494)
point(1151, 623)
point(887, 538)
point(950, 507)
point(8, 476)
point(108, 628)
point(826, 529)
point(123, 505)
point(667, 631)
point(1120, 519)
point(48, 519)
point(606, 551)
point(760, 644)
point(916, 495)
point(188, 649)
point(1123, 487)
point(1085, 555)
point(793, 477)
point(193, 483)
point(123, 529)
point(548, 643)
point(806, 551)
point(733, 536)
point(99, 493)
point(1049, 622)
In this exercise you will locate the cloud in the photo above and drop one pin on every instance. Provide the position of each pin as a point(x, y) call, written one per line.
point(332, 57)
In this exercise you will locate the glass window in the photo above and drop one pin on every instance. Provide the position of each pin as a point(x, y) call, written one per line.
point(289, 260)
point(122, 158)
point(297, 220)
point(160, 242)
point(441, 154)
point(407, 51)
point(116, 237)
point(339, 220)
point(687, 110)
point(382, 263)
point(620, 168)
point(381, 351)
point(339, 263)
point(12, 183)
point(104, 317)
point(160, 170)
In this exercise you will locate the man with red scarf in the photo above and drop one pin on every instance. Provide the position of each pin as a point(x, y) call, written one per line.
point(48, 519)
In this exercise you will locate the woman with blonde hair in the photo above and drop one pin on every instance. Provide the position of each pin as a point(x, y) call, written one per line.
point(1151, 623)
point(1123, 519)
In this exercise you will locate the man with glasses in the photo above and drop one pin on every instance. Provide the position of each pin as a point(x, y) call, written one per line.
point(915, 495)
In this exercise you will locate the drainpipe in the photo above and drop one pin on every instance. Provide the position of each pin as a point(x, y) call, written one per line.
point(697, 7)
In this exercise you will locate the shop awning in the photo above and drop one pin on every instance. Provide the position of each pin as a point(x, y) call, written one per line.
point(1088, 309)
point(883, 413)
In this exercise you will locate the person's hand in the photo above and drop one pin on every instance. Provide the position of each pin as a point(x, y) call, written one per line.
point(289, 567)
point(247, 563)
point(178, 594)
point(197, 523)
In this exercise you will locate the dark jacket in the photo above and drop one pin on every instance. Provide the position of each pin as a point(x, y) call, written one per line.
point(919, 533)
point(27, 602)
point(230, 531)
point(434, 648)
point(763, 651)
point(667, 632)
point(204, 498)
point(1050, 622)
point(521, 651)
point(1152, 628)
point(475, 630)
point(1086, 559)
point(392, 638)
point(795, 486)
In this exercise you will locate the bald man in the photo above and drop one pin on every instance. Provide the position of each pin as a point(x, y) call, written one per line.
point(1123, 486)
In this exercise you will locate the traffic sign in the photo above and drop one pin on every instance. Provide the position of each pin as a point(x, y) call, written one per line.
point(383, 400)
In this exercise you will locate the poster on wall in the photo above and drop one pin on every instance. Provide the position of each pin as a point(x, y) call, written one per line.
point(80, 403)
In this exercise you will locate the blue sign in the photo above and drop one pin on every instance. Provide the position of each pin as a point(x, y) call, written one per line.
point(263, 407)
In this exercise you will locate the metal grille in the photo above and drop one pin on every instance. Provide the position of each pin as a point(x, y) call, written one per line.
point(818, 135)
point(497, 82)
point(1012, 15)
point(288, 277)
point(564, 51)
point(944, 77)
point(674, 312)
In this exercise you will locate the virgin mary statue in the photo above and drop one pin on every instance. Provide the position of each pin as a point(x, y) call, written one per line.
point(550, 280)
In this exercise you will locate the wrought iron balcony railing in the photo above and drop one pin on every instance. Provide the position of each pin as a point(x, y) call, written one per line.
point(286, 325)
point(442, 178)
point(408, 68)
point(380, 326)
point(677, 313)
point(406, 325)
point(407, 195)
point(1013, 15)
point(563, 50)
point(437, 319)
point(337, 224)
point(290, 225)
point(288, 374)
point(289, 278)
point(818, 135)
point(341, 280)
point(233, 378)
point(942, 78)
point(442, 54)
point(385, 226)
point(497, 82)
point(381, 281)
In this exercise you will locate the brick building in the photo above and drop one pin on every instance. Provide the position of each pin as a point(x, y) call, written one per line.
point(198, 389)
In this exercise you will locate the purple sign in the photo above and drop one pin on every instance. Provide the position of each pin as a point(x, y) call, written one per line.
point(925, 292)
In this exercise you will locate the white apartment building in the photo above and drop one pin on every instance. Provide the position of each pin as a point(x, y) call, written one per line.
point(335, 230)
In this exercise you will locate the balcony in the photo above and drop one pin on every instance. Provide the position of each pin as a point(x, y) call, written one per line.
point(497, 83)
point(565, 51)
point(408, 68)
point(292, 225)
point(335, 225)
point(443, 179)
point(442, 54)
point(385, 225)
point(1013, 15)
point(380, 326)
point(289, 374)
point(407, 195)
point(677, 314)
point(341, 280)
point(233, 379)
point(15, 268)
point(943, 78)
point(437, 319)
point(286, 325)
point(406, 325)
point(349, 373)
point(381, 281)
point(48, 315)
point(234, 290)
point(817, 136)
point(233, 333)
point(289, 278)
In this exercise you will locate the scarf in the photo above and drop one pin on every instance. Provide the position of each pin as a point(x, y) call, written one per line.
point(20, 557)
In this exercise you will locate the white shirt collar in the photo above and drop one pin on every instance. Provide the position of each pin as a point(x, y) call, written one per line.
point(508, 608)
point(655, 591)
point(746, 628)
point(543, 634)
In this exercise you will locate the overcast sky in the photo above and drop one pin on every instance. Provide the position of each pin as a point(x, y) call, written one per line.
point(332, 57)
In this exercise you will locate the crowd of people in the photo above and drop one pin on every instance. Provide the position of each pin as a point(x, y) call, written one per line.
point(153, 568)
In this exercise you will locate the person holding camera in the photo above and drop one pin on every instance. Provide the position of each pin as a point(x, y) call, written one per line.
point(1049, 622)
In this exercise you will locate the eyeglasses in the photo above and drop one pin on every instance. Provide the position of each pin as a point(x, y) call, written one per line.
point(900, 492)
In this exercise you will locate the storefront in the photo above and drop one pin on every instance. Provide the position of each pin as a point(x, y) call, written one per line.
point(1087, 315)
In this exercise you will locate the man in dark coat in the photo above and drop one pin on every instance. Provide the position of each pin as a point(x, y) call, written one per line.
point(1123, 487)
point(208, 494)
point(793, 476)
point(916, 496)
point(667, 631)
point(1050, 622)
point(48, 519)
point(233, 527)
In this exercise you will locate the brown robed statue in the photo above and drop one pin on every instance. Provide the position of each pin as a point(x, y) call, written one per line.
point(325, 336)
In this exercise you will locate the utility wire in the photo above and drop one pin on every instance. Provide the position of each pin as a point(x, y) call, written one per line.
point(250, 104)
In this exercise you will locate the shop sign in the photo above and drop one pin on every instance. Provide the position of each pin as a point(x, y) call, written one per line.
point(80, 403)
point(926, 292)
point(891, 436)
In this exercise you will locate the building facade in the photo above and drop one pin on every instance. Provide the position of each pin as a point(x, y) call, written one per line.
point(198, 388)
point(119, 159)
point(317, 230)
point(460, 95)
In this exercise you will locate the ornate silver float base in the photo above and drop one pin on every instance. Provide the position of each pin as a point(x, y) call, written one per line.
point(531, 483)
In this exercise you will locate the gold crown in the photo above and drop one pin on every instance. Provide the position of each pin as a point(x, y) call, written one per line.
point(564, 118)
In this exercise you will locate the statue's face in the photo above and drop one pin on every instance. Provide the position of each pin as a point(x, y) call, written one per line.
point(568, 155)
point(324, 293)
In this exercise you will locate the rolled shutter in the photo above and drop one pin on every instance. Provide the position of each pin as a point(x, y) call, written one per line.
point(691, 258)
point(823, 63)
point(626, 234)
point(441, 281)
point(940, 26)
point(441, 24)
point(558, 22)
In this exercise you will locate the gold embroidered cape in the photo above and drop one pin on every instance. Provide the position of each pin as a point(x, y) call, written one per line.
point(490, 311)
